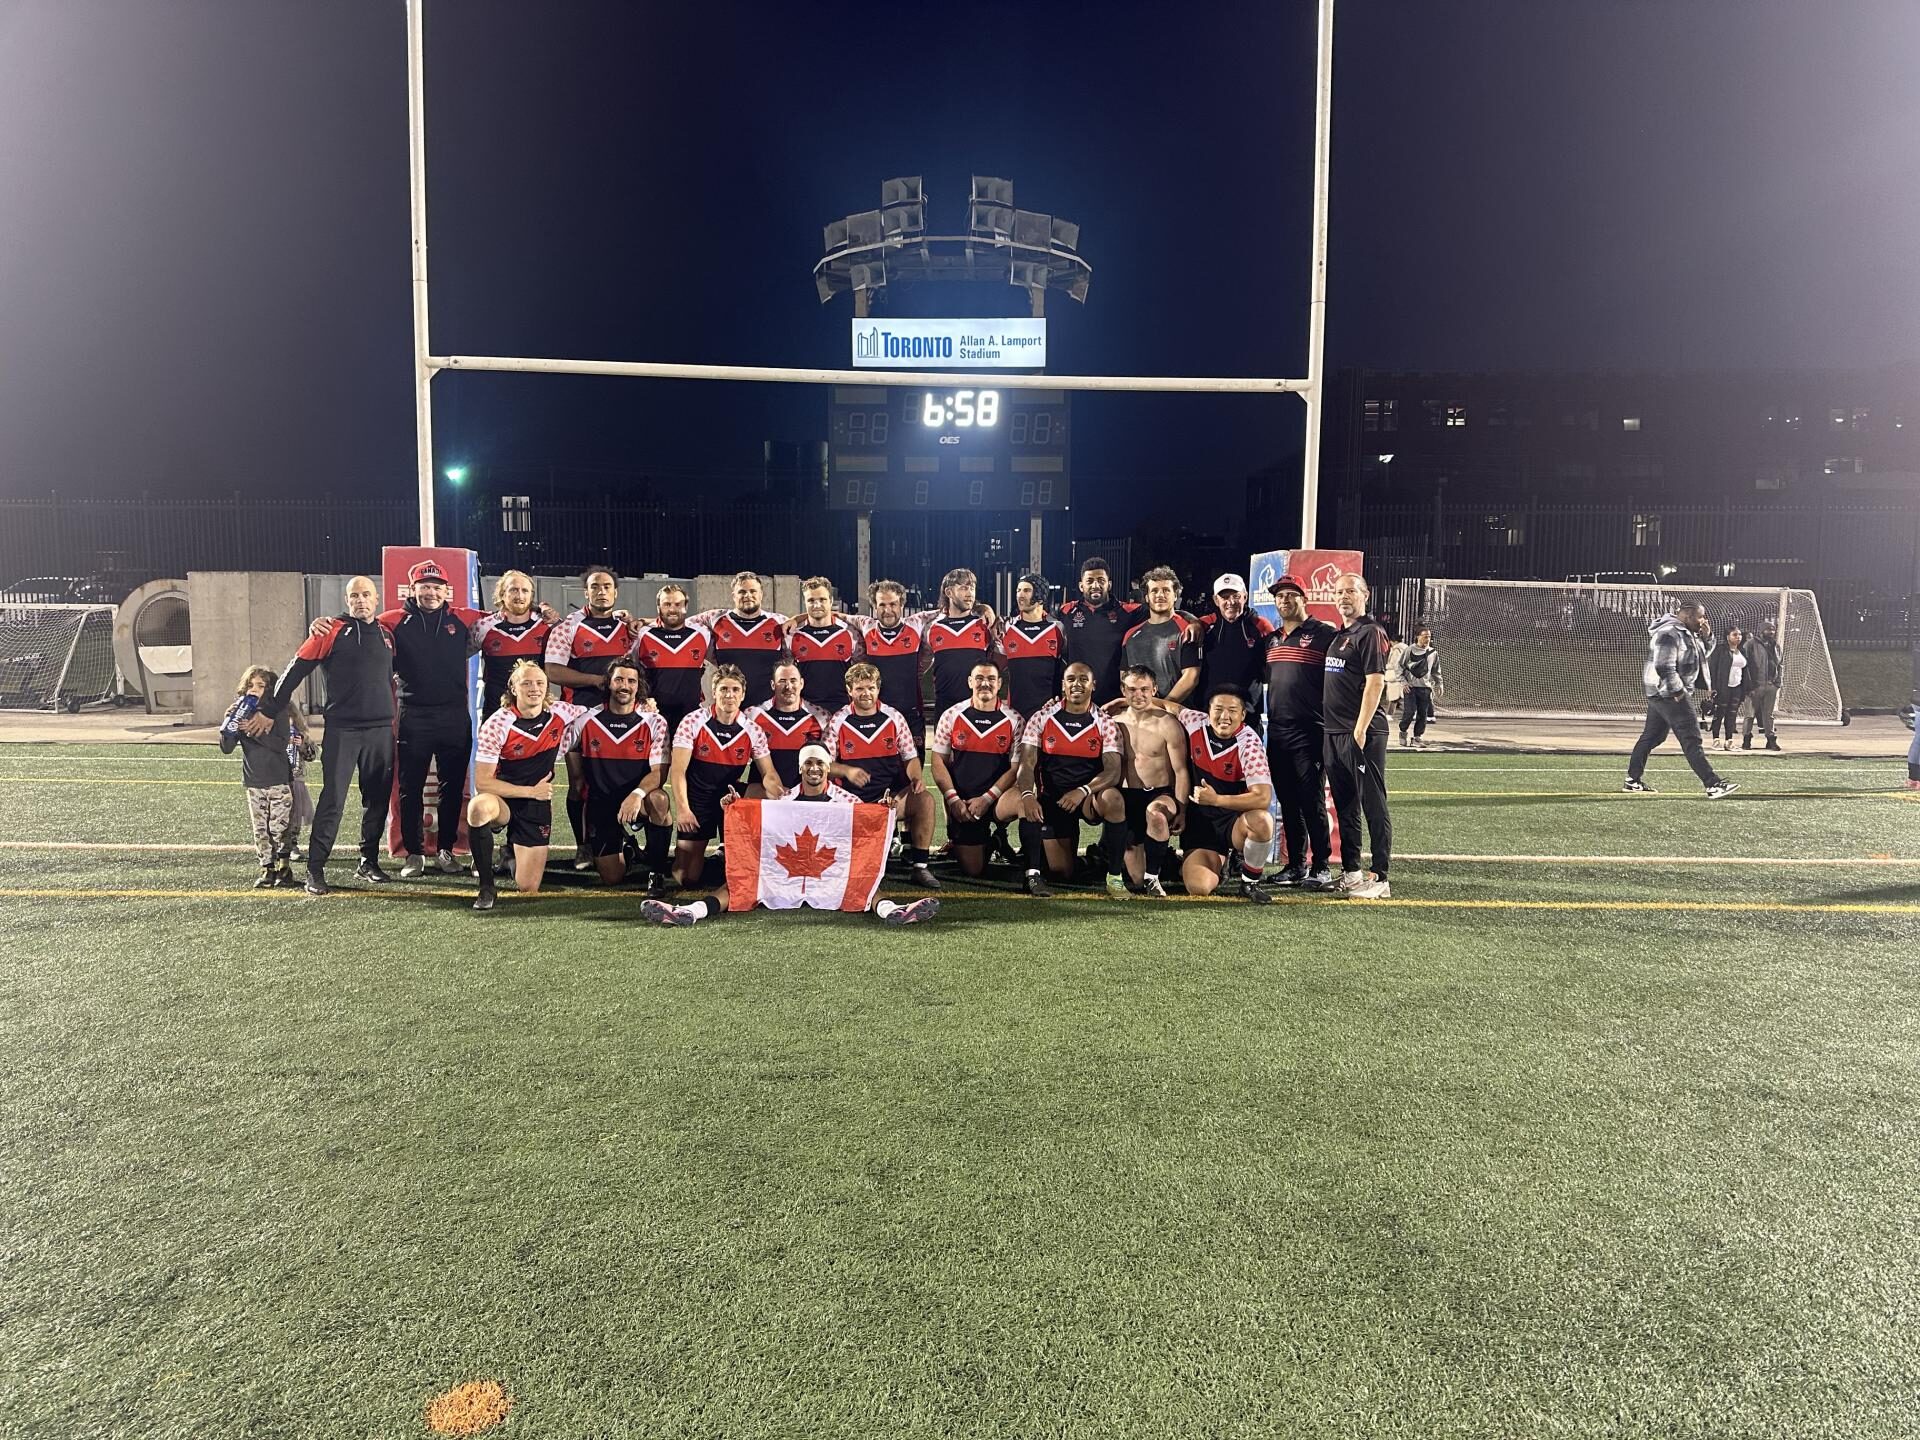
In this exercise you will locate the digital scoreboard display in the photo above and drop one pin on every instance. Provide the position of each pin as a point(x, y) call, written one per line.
point(908, 448)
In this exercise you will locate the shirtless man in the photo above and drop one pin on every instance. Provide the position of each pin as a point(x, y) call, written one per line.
point(1154, 750)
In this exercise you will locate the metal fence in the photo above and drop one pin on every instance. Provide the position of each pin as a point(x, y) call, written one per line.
point(1862, 562)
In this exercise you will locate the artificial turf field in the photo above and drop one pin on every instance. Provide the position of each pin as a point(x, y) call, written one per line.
point(1590, 1147)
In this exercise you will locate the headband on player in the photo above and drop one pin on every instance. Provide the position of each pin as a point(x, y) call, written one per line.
point(815, 752)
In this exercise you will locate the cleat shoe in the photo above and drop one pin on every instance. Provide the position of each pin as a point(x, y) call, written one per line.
point(268, 879)
point(1153, 889)
point(658, 885)
point(1638, 787)
point(444, 862)
point(1287, 878)
point(1251, 892)
point(582, 862)
point(1117, 888)
point(1371, 889)
point(1321, 879)
point(913, 914)
point(412, 868)
point(1725, 787)
point(317, 884)
point(1036, 885)
point(661, 913)
point(370, 871)
point(504, 865)
point(484, 900)
point(924, 878)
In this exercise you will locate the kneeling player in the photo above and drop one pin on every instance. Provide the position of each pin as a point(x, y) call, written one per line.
point(711, 752)
point(816, 786)
point(875, 754)
point(973, 748)
point(1228, 812)
point(1069, 772)
point(623, 752)
point(513, 779)
point(1156, 780)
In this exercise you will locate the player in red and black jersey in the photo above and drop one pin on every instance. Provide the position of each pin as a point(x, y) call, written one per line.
point(973, 764)
point(823, 644)
point(1296, 738)
point(895, 645)
point(623, 752)
point(1095, 624)
point(1069, 771)
point(673, 656)
point(1034, 646)
point(746, 637)
point(579, 650)
point(1227, 810)
point(959, 636)
point(711, 752)
point(515, 630)
point(513, 779)
point(877, 758)
point(790, 724)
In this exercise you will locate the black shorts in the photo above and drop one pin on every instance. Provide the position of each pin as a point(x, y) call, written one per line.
point(1058, 824)
point(1208, 828)
point(529, 822)
point(605, 834)
point(972, 832)
point(1137, 803)
point(708, 814)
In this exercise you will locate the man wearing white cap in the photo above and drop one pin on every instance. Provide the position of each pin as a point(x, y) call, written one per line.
point(1233, 645)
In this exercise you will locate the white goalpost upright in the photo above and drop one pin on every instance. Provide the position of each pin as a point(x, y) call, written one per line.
point(427, 364)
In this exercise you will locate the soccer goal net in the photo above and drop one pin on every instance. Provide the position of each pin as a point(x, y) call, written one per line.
point(1539, 649)
point(55, 657)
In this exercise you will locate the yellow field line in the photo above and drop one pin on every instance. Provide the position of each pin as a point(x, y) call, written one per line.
point(1140, 906)
point(98, 780)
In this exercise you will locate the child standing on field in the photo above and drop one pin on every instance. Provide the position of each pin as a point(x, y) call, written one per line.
point(266, 772)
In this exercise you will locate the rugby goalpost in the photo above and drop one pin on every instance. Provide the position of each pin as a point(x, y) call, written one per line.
point(1310, 389)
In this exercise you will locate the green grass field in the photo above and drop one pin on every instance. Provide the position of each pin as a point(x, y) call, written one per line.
point(1600, 1146)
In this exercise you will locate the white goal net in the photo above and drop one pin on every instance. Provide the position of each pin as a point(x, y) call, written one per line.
point(56, 657)
point(1574, 651)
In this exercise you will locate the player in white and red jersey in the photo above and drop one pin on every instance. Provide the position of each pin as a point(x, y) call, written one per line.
point(1232, 788)
point(711, 752)
point(579, 650)
point(875, 755)
point(746, 637)
point(823, 643)
point(815, 786)
point(513, 779)
point(1070, 770)
point(790, 724)
point(623, 752)
point(973, 752)
point(515, 630)
point(673, 656)
point(894, 643)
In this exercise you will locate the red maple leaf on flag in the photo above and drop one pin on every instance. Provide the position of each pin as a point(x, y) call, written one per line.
point(805, 859)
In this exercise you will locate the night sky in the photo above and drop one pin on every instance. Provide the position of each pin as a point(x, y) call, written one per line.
point(203, 213)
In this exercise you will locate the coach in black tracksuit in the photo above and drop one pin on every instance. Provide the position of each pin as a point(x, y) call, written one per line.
point(431, 642)
point(357, 657)
point(1356, 679)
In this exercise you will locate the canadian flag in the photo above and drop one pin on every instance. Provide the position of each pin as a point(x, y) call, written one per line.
point(787, 853)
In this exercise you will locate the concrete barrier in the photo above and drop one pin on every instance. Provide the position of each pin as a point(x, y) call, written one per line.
point(240, 618)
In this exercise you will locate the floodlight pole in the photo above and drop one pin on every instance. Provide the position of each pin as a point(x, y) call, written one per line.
point(423, 368)
point(1317, 292)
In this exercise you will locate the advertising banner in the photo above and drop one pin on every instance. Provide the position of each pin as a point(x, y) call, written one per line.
point(1316, 570)
point(1010, 344)
point(462, 569)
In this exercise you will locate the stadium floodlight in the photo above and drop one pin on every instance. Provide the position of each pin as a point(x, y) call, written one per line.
point(456, 474)
point(836, 236)
point(1028, 274)
point(866, 228)
point(870, 275)
point(991, 221)
point(1066, 234)
point(900, 221)
point(916, 259)
point(902, 190)
point(1032, 228)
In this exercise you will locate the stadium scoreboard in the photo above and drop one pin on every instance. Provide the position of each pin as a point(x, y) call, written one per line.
point(957, 448)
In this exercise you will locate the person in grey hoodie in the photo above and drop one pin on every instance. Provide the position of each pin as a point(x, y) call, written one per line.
point(1674, 657)
point(1417, 668)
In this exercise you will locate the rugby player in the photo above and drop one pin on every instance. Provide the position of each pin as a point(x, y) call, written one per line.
point(1227, 812)
point(1356, 753)
point(1155, 779)
point(815, 786)
point(746, 637)
point(876, 757)
point(579, 650)
point(959, 636)
point(1166, 640)
point(513, 779)
point(973, 765)
point(516, 629)
point(790, 724)
point(1233, 644)
point(624, 753)
point(1095, 625)
point(1296, 738)
point(894, 643)
point(822, 644)
point(1034, 647)
point(1070, 771)
point(711, 751)
point(673, 656)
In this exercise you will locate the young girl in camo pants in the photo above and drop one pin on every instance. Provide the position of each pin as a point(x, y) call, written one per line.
point(266, 769)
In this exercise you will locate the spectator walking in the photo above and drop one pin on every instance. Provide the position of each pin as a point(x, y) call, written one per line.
point(1416, 668)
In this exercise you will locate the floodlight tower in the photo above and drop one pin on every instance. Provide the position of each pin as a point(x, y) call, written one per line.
point(940, 452)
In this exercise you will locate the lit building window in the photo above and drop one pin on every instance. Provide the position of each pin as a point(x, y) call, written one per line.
point(516, 514)
point(1630, 422)
point(1843, 465)
point(1646, 529)
point(1456, 416)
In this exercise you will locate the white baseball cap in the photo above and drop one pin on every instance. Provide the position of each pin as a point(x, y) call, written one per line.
point(1230, 585)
